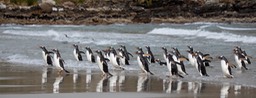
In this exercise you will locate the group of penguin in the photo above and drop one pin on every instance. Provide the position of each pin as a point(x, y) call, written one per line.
point(174, 60)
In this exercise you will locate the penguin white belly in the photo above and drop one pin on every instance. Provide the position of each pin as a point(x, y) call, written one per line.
point(122, 60)
point(55, 58)
point(169, 66)
point(180, 70)
point(100, 64)
point(75, 54)
point(224, 68)
point(88, 56)
point(196, 65)
point(238, 62)
point(113, 60)
point(141, 65)
point(165, 57)
point(44, 56)
point(175, 58)
point(191, 60)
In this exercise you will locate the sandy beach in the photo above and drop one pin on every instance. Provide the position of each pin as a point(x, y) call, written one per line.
point(24, 81)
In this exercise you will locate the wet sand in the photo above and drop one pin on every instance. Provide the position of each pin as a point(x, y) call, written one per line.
point(25, 81)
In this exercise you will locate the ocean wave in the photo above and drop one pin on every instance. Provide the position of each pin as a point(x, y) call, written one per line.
point(236, 29)
point(228, 37)
point(23, 59)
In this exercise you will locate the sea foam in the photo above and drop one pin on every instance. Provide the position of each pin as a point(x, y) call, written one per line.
point(228, 37)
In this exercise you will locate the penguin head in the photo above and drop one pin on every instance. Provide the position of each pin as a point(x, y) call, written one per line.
point(42, 47)
point(98, 51)
point(55, 50)
point(122, 46)
point(164, 48)
point(147, 47)
point(75, 45)
point(138, 52)
point(221, 57)
point(190, 48)
point(87, 48)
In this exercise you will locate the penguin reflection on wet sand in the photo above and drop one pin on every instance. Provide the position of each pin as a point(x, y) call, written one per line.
point(58, 61)
point(46, 55)
point(89, 55)
point(143, 63)
point(226, 67)
point(77, 53)
point(103, 65)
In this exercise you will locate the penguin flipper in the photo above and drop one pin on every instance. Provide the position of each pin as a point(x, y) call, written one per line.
point(130, 54)
point(81, 52)
point(243, 64)
point(66, 71)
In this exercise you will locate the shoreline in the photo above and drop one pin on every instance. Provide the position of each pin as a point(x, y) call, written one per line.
point(106, 21)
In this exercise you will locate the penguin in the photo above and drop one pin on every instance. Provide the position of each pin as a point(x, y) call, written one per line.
point(77, 53)
point(177, 57)
point(59, 62)
point(122, 57)
point(89, 55)
point(226, 67)
point(46, 56)
point(190, 56)
point(114, 59)
point(172, 66)
point(151, 58)
point(126, 53)
point(143, 63)
point(200, 64)
point(240, 59)
point(103, 65)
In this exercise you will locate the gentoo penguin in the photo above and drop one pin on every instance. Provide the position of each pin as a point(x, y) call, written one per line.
point(103, 65)
point(122, 57)
point(177, 57)
point(89, 55)
point(151, 57)
point(240, 59)
point(191, 55)
point(143, 63)
point(58, 61)
point(126, 53)
point(226, 67)
point(247, 58)
point(114, 59)
point(200, 64)
point(77, 53)
point(46, 55)
point(172, 66)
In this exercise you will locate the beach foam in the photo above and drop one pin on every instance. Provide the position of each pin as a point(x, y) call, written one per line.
point(228, 37)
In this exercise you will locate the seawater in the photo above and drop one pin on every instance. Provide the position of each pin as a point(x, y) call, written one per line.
point(20, 45)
